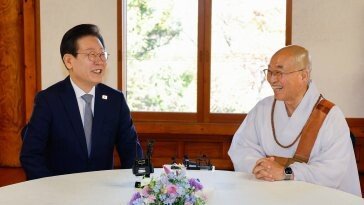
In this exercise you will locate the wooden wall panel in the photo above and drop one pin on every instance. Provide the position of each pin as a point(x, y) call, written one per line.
point(168, 146)
point(12, 81)
point(32, 54)
point(359, 150)
point(198, 149)
point(359, 147)
point(163, 148)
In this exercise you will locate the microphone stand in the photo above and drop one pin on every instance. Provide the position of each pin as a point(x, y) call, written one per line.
point(144, 166)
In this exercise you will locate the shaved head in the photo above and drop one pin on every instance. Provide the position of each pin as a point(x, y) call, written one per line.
point(298, 54)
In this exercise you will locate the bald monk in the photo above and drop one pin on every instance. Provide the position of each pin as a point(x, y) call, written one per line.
point(278, 139)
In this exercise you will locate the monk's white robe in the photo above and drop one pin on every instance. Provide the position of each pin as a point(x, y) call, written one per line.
point(332, 161)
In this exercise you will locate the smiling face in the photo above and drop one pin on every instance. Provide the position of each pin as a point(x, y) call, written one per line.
point(293, 83)
point(84, 72)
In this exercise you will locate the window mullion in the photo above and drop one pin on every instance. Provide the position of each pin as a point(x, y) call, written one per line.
point(200, 61)
point(204, 47)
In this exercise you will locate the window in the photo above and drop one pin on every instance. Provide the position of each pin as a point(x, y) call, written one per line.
point(199, 60)
point(161, 55)
point(242, 42)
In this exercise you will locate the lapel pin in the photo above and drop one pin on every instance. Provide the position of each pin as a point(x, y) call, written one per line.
point(104, 97)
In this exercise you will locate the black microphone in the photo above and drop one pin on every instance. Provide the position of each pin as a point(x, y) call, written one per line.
point(143, 167)
point(149, 149)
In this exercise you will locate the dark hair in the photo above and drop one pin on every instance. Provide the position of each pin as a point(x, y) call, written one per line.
point(69, 40)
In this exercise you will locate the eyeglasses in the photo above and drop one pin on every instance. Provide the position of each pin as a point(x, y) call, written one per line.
point(278, 74)
point(92, 56)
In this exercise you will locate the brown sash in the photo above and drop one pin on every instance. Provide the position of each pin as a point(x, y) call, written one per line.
point(309, 134)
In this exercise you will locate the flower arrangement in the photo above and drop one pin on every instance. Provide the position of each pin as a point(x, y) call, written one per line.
point(172, 188)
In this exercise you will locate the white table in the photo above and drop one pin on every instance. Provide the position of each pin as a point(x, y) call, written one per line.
point(117, 186)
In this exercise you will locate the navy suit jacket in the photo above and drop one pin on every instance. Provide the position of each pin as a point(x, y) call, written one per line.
point(55, 143)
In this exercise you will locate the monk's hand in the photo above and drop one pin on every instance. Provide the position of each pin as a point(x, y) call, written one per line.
point(269, 170)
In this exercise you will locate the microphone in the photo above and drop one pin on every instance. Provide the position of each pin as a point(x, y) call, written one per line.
point(143, 167)
point(149, 149)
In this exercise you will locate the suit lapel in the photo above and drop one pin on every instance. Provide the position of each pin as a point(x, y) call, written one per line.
point(68, 98)
point(99, 113)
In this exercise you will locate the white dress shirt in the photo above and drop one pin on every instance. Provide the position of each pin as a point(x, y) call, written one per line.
point(81, 103)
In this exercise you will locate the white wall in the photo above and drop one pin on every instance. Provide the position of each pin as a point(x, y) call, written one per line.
point(333, 31)
point(56, 17)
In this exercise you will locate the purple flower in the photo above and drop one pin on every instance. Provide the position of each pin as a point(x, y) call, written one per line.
point(166, 169)
point(195, 183)
point(171, 189)
point(151, 199)
point(135, 197)
point(145, 191)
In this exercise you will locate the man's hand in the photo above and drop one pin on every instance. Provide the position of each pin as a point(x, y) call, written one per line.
point(269, 170)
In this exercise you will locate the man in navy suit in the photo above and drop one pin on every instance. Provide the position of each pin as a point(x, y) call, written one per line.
point(68, 134)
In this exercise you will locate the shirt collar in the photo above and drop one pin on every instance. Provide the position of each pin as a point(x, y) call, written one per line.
point(310, 97)
point(307, 103)
point(79, 92)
